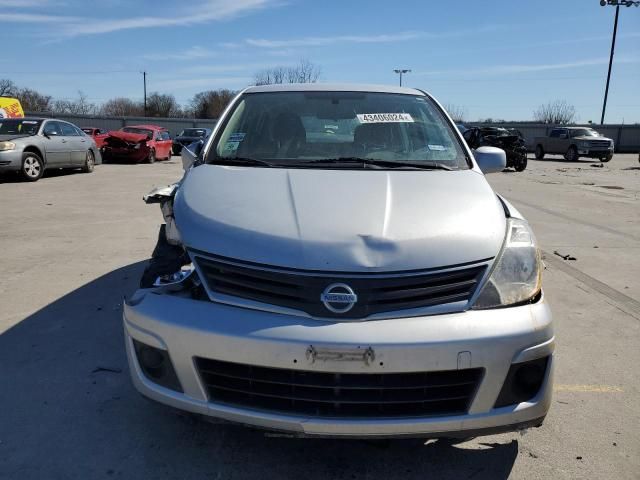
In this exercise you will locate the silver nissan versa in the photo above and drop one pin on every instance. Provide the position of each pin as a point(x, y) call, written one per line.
point(334, 263)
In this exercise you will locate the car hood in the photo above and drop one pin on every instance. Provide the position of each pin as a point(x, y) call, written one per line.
point(340, 220)
point(588, 137)
point(6, 138)
point(190, 139)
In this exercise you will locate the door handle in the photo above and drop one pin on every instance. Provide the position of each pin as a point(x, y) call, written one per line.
point(64, 141)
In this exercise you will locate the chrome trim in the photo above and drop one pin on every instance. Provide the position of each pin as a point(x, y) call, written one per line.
point(452, 307)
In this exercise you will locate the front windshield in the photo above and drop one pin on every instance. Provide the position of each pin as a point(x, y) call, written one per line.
point(584, 132)
point(192, 132)
point(19, 126)
point(294, 128)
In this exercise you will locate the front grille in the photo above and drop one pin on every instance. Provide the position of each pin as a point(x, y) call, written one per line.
point(323, 394)
point(300, 290)
point(599, 143)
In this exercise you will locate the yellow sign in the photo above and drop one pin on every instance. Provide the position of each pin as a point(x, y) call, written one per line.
point(10, 108)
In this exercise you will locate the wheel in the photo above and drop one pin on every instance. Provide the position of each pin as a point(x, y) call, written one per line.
point(152, 156)
point(520, 164)
point(89, 162)
point(32, 167)
point(606, 159)
point(572, 154)
point(539, 152)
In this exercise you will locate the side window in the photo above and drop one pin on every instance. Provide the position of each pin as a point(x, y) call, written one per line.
point(79, 132)
point(563, 133)
point(68, 130)
point(165, 136)
point(555, 133)
point(52, 129)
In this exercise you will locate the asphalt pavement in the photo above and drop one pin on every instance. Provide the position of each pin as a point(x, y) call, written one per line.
point(73, 244)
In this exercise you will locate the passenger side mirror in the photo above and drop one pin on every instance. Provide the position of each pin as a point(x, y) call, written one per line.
point(490, 159)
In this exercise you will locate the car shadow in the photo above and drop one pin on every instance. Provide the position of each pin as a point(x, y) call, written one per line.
point(70, 411)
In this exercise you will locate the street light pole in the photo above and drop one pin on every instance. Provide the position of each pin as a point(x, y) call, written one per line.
point(400, 71)
point(616, 3)
point(144, 81)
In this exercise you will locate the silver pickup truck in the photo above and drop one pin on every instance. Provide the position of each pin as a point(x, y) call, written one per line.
point(573, 143)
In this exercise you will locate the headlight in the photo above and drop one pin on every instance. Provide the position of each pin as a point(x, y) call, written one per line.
point(517, 272)
point(179, 280)
point(7, 146)
point(136, 146)
point(583, 144)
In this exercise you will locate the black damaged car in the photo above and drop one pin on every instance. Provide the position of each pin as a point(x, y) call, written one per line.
point(509, 140)
point(189, 136)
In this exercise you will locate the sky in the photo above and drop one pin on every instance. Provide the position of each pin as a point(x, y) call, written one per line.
point(493, 58)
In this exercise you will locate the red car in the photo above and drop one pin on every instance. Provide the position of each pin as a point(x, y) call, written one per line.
point(97, 135)
point(138, 143)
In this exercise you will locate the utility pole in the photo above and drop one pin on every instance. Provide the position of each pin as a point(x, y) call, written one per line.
point(400, 71)
point(616, 3)
point(144, 81)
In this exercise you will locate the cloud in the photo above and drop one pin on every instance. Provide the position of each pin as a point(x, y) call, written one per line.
point(24, 3)
point(201, 12)
point(522, 68)
point(207, 83)
point(193, 53)
point(37, 18)
point(323, 41)
point(373, 38)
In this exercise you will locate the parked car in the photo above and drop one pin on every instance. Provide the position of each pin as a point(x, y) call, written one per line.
point(573, 143)
point(97, 135)
point(32, 145)
point(509, 140)
point(360, 285)
point(189, 136)
point(138, 143)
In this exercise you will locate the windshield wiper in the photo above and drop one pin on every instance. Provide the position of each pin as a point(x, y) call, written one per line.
point(241, 161)
point(420, 165)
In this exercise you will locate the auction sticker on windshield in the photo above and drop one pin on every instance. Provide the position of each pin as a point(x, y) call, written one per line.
point(385, 118)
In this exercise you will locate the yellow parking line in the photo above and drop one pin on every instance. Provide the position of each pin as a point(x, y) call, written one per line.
point(588, 388)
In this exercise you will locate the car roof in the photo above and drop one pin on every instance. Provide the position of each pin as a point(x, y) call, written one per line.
point(332, 87)
point(148, 127)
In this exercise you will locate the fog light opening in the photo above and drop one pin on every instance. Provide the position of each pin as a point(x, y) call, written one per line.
point(523, 382)
point(156, 366)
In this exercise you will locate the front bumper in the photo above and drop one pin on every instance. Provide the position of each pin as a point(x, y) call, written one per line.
point(490, 339)
point(10, 160)
point(595, 152)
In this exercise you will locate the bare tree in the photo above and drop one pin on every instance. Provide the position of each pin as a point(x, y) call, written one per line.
point(7, 88)
point(162, 105)
point(304, 72)
point(122, 107)
point(33, 101)
point(456, 112)
point(558, 112)
point(81, 106)
point(210, 103)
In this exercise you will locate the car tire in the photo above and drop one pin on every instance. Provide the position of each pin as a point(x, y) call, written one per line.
point(89, 162)
point(32, 167)
point(151, 158)
point(606, 159)
point(539, 152)
point(572, 154)
point(520, 164)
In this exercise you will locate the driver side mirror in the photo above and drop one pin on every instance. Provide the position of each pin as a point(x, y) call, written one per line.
point(490, 159)
point(190, 154)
